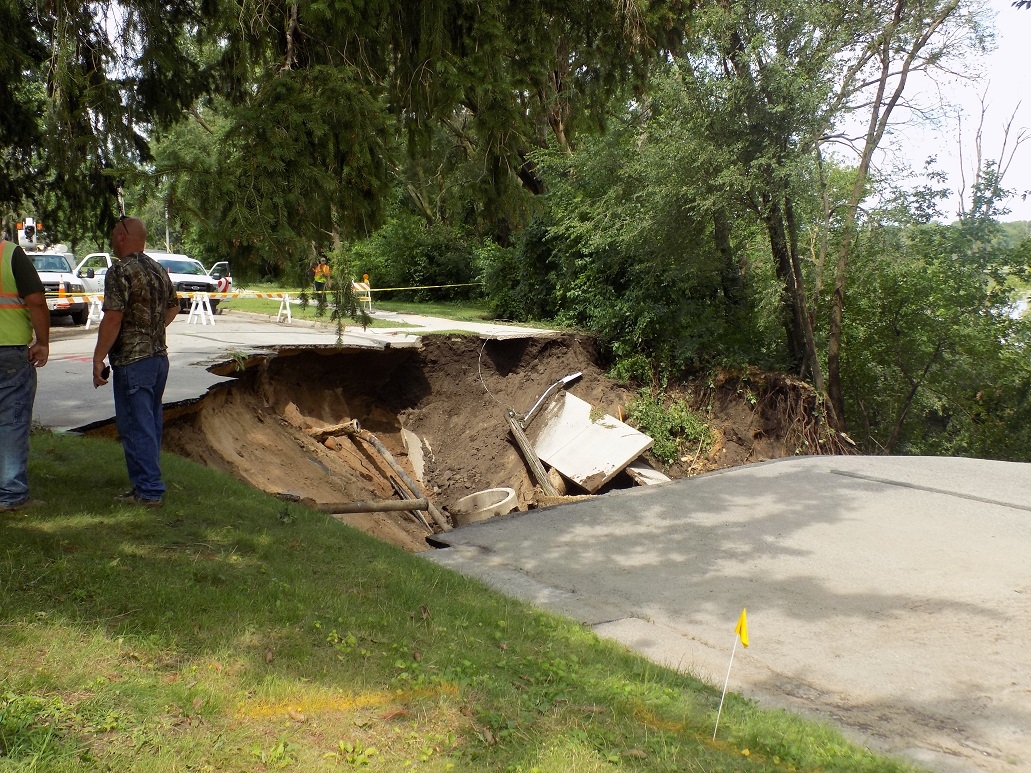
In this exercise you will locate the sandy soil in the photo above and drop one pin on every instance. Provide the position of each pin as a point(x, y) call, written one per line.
point(453, 394)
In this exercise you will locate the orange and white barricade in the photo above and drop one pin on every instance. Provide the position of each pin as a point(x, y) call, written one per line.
point(363, 295)
point(96, 310)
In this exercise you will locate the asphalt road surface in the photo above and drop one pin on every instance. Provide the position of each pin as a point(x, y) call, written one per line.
point(890, 596)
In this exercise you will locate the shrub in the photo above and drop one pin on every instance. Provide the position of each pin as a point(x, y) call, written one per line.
point(675, 428)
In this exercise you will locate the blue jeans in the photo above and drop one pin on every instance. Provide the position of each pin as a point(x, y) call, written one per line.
point(17, 393)
point(139, 387)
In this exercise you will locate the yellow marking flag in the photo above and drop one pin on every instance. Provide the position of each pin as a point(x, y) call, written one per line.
point(741, 629)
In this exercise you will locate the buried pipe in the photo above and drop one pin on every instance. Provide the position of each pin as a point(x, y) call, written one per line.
point(381, 506)
point(524, 421)
point(353, 429)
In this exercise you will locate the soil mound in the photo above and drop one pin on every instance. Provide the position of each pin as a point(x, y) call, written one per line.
point(440, 411)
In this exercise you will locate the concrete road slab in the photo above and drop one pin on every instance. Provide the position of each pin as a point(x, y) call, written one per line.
point(890, 596)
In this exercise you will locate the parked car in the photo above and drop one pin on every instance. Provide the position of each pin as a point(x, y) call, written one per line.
point(58, 277)
point(188, 275)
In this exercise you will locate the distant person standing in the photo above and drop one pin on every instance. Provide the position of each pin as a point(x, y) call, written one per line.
point(24, 346)
point(139, 303)
point(322, 276)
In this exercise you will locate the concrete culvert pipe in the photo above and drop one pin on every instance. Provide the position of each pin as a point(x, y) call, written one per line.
point(484, 504)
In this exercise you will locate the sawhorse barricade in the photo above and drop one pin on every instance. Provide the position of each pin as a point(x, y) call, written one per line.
point(284, 308)
point(362, 295)
point(200, 309)
point(200, 305)
point(283, 298)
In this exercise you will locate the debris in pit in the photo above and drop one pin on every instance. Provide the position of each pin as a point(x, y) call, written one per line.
point(587, 450)
point(644, 474)
point(484, 504)
point(352, 429)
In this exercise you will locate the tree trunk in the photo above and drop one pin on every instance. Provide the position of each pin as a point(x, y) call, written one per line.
point(914, 387)
point(730, 272)
point(881, 106)
point(792, 319)
point(801, 304)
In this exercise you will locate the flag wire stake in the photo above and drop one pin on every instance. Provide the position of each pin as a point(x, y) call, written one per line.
point(725, 683)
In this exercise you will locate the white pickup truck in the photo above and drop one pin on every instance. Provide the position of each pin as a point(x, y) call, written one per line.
point(55, 271)
point(188, 275)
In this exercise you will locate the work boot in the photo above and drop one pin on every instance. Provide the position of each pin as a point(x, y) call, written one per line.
point(132, 498)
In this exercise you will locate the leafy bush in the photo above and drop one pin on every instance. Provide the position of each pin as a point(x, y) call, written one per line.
point(674, 426)
point(408, 252)
point(521, 282)
point(633, 369)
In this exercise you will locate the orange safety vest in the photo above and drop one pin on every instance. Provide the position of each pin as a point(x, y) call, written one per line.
point(15, 322)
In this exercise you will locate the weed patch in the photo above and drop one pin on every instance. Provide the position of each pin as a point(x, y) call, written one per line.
point(677, 429)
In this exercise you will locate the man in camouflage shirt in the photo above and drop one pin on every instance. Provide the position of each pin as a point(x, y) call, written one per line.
point(139, 303)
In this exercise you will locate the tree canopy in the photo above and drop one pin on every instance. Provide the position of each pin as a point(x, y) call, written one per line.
point(669, 175)
point(320, 99)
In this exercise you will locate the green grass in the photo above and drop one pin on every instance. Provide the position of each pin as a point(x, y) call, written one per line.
point(307, 312)
point(461, 311)
point(230, 631)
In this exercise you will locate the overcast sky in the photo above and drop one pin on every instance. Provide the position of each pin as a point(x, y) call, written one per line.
point(1005, 83)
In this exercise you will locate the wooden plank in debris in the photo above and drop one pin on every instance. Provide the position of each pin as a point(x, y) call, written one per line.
point(531, 458)
point(589, 450)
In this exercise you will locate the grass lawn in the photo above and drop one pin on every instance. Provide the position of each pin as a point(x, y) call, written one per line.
point(230, 631)
point(462, 311)
point(309, 311)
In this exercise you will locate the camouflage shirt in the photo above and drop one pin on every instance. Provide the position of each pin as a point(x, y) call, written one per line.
point(141, 289)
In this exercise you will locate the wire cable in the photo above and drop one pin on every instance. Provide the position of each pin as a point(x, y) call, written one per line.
point(479, 371)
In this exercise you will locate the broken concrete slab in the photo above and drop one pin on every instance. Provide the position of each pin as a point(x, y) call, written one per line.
point(646, 475)
point(589, 450)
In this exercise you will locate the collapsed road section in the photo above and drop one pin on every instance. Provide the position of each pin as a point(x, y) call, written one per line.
point(380, 431)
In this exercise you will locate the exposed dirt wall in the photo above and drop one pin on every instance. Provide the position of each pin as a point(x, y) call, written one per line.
point(453, 394)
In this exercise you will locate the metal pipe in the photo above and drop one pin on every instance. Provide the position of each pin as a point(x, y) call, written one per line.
point(435, 514)
point(382, 506)
point(525, 422)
